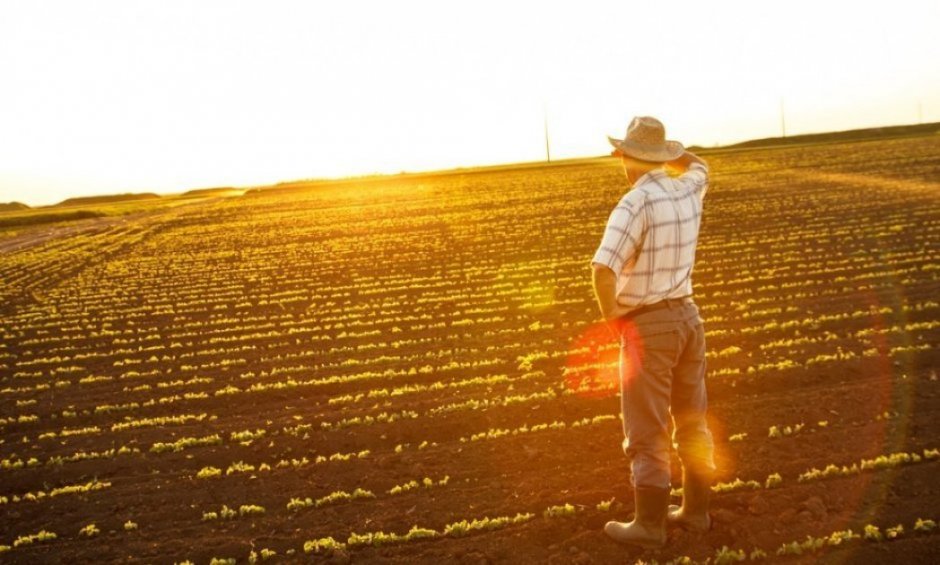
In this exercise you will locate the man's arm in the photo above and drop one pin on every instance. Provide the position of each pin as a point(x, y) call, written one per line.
point(622, 236)
point(684, 161)
point(694, 172)
point(605, 289)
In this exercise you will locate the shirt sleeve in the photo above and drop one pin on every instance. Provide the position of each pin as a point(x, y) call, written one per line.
point(623, 234)
point(696, 178)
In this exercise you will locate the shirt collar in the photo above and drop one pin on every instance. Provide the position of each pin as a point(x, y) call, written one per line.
point(650, 176)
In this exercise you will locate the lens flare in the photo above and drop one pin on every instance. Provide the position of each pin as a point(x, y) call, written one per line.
point(892, 398)
point(593, 365)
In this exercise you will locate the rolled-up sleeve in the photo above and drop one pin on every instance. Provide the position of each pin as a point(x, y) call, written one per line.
point(696, 178)
point(622, 235)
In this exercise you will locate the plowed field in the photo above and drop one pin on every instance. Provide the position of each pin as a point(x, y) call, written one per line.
point(349, 372)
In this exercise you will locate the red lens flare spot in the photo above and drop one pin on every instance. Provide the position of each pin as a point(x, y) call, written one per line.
point(592, 368)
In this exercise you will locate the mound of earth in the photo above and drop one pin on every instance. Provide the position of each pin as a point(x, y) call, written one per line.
point(13, 207)
point(217, 191)
point(107, 198)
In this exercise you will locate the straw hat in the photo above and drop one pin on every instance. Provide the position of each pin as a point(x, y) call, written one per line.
point(646, 140)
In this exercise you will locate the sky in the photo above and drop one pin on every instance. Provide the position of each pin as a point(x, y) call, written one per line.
point(127, 96)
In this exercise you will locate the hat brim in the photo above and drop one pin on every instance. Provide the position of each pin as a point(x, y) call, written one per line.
point(666, 152)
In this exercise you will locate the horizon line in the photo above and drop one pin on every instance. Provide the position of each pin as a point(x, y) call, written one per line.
point(748, 144)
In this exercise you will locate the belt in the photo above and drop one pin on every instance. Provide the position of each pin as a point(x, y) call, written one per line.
point(667, 303)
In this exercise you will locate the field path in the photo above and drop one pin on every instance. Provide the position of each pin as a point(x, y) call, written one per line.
point(41, 234)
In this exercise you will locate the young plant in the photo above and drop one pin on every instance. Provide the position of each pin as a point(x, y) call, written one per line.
point(872, 533)
point(209, 473)
point(323, 545)
point(250, 510)
point(560, 511)
point(727, 556)
point(265, 554)
point(604, 505)
point(895, 532)
point(925, 526)
point(30, 539)
point(773, 481)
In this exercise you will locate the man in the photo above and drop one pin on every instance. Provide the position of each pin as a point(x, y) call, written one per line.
point(641, 277)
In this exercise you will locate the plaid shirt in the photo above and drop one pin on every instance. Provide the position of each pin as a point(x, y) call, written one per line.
point(651, 234)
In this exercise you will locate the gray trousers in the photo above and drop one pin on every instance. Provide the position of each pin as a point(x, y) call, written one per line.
point(662, 381)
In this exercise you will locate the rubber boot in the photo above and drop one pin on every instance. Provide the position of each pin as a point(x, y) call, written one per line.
point(696, 492)
point(648, 528)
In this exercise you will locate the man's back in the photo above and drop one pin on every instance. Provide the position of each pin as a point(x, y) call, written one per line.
point(652, 234)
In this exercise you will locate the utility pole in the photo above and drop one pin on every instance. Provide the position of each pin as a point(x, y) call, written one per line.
point(783, 121)
point(548, 154)
point(920, 113)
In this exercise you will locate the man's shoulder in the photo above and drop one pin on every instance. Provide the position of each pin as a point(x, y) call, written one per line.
point(638, 194)
point(634, 199)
